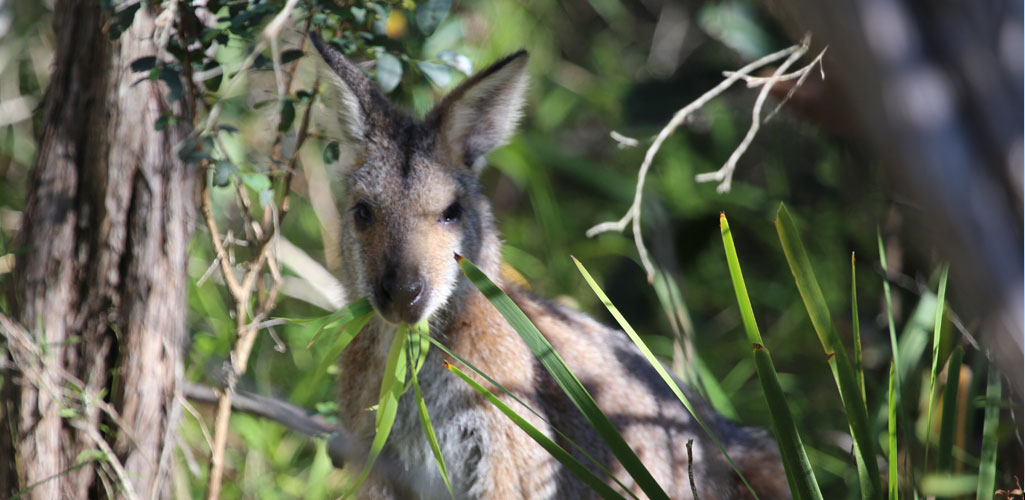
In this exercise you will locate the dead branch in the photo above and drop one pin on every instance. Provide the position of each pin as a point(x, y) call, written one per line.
point(723, 175)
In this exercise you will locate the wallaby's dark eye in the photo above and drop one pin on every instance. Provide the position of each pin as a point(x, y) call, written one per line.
point(452, 213)
point(361, 215)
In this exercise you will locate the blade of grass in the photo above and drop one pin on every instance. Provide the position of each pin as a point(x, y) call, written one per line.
point(569, 383)
point(836, 355)
point(859, 371)
point(420, 331)
point(991, 422)
point(653, 361)
point(937, 330)
point(344, 315)
point(519, 401)
point(388, 402)
point(948, 417)
point(799, 471)
point(558, 452)
point(345, 336)
point(894, 484)
point(889, 305)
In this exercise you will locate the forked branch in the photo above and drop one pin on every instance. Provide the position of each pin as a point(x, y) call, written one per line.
point(725, 174)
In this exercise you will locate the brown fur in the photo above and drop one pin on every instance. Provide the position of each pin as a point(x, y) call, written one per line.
point(398, 234)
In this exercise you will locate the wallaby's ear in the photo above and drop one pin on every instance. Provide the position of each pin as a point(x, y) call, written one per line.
point(360, 100)
point(481, 113)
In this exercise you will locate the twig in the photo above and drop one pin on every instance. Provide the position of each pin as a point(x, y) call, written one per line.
point(623, 141)
point(757, 81)
point(633, 214)
point(690, 469)
point(724, 176)
point(343, 447)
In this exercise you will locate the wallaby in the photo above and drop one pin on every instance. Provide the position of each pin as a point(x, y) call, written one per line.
point(412, 202)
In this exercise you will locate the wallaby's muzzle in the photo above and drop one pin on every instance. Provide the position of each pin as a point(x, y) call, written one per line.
point(400, 298)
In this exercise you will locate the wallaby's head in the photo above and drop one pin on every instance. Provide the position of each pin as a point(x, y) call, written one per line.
point(411, 198)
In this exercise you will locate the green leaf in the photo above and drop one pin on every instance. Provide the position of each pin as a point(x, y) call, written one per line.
point(859, 371)
point(287, 115)
point(344, 315)
point(256, 182)
point(389, 71)
point(223, 170)
point(174, 83)
point(440, 74)
point(988, 456)
point(800, 474)
point(290, 55)
point(345, 336)
point(319, 471)
point(836, 355)
point(512, 396)
point(266, 198)
point(457, 61)
point(388, 402)
point(892, 457)
point(564, 377)
point(331, 152)
point(145, 63)
point(945, 449)
point(421, 334)
point(429, 14)
point(559, 453)
point(937, 330)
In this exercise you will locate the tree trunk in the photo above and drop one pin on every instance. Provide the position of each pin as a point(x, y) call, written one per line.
point(936, 92)
point(102, 276)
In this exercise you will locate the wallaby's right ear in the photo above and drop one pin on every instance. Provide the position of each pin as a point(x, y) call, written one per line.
point(359, 98)
point(481, 113)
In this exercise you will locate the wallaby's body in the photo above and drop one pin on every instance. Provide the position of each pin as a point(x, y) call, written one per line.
point(411, 203)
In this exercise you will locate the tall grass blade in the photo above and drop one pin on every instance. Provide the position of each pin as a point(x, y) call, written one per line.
point(859, 371)
point(937, 330)
point(850, 393)
point(327, 323)
point(527, 407)
point(388, 402)
point(418, 334)
point(558, 452)
point(948, 417)
point(569, 383)
point(988, 457)
point(653, 361)
point(892, 457)
point(799, 471)
point(346, 334)
point(889, 305)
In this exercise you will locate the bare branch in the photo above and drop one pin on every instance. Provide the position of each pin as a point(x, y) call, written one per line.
point(633, 214)
point(724, 176)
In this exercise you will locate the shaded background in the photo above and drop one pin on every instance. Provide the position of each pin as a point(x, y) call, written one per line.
point(596, 66)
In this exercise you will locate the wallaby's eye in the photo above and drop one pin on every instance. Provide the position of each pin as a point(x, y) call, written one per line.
point(452, 213)
point(361, 215)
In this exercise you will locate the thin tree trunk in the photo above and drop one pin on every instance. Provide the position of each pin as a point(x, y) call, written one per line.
point(102, 276)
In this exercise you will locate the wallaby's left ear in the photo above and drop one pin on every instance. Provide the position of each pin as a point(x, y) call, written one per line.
point(482, 112)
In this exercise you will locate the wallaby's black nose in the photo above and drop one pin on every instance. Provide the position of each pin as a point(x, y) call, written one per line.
point(401, 299)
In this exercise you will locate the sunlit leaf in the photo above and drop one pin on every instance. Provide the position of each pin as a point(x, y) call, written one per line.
point(440, 74)
point(389, 71)
point(429, 14)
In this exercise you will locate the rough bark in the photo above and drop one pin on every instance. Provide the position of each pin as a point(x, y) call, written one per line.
point(102, 279)
point(935, 90)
